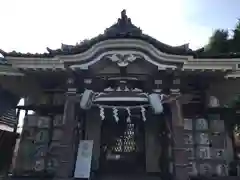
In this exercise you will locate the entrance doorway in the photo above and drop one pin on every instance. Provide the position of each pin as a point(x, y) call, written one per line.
point(122, 144)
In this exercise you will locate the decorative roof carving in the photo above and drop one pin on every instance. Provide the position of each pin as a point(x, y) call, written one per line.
point(124, 89)
point(123, 60)
point(123, 27)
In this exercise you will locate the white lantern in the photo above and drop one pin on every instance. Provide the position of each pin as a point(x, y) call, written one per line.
point(86, 101)
point(156, 103)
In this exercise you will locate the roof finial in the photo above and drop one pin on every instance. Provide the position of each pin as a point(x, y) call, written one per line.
point(123, 26)
point(124, 20)
point(124, 14)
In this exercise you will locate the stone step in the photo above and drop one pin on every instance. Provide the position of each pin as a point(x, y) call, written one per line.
point(127, 177)
point(117, 177)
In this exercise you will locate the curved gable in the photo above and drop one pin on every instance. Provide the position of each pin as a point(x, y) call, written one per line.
point(123, 29)
point(124, 51)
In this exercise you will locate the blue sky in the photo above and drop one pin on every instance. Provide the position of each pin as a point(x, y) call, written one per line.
point(216, 13)
point(33, 25)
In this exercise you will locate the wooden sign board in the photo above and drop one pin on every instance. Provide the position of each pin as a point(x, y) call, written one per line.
point(84, 158)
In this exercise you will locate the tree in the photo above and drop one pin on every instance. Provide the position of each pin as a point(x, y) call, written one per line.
point(235, 41)
point(218, 42)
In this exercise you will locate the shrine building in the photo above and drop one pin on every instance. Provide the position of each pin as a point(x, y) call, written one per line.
point(122, 105)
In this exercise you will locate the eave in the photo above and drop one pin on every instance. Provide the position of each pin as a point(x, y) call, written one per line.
point(229, 66)
point(234, 74)
point(8, 70)
point(58, 63)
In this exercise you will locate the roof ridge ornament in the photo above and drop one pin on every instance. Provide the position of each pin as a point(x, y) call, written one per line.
point(123, 59)
point(124, 18)
point(123, 27)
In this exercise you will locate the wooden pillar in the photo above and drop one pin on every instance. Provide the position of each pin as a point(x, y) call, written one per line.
point(68, 141)
point(179, 151)
point(152, 144)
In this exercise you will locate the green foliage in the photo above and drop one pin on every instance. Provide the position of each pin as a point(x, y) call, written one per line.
point(220, 42)
point(236, 38)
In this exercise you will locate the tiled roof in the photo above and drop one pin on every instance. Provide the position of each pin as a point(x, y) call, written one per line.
point(124, 28)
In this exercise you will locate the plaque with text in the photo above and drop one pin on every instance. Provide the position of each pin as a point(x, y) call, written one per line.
point(188, 124)
point(205, 169)
point(203, 152)
point(201, 124)
point(188, 138)
point(84, 158)
point(202, 138)
point(217, 125)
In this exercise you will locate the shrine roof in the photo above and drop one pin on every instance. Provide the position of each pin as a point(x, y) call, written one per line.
point(124, 28)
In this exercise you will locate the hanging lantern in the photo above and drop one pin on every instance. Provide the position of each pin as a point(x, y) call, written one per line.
point(86, 100)
point(156, 103)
